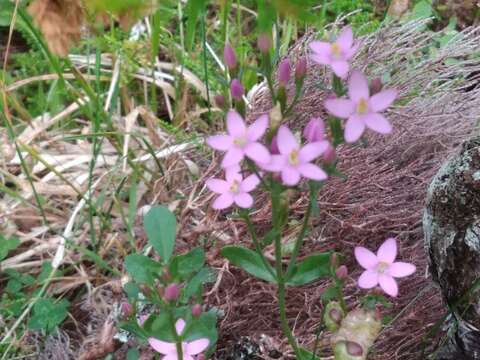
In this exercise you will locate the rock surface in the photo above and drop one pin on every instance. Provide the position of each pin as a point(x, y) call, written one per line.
point(452, 237)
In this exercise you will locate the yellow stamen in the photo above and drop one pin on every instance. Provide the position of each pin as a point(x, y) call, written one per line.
point(241, 141)
point(382, 266)
point(336, 51)
point(362, 106)
point(234, 188)
point(293, 158)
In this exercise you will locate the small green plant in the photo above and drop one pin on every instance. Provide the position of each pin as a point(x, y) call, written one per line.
point(172, 286)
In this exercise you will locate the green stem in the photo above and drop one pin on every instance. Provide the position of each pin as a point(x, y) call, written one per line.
point(177, 337)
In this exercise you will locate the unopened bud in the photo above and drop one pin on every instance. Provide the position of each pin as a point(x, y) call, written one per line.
point(274, 146)
point(284, 72)
point(330, 155)
point(342, 272)
point(172, 292)
point(127, 309)
point(375, 86)
point(197, 310)
point(236, 89)
point(301, 68)
point(333, 316)
point(315, 130)
point(220, 101)
point(264, 43)
point(229, 57)
point(201, 357)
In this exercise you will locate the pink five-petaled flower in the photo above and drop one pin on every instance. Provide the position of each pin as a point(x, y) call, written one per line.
point(362, 110)
point(337, 54)
point(294, 161)
point(169, 349)
point(234, 189)
point(380, 269)
point(241, 140)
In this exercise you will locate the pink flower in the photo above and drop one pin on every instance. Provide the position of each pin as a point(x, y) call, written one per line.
point(337, 54)
point(234, 189)
point(169, 349)
point(381, 268)
point(294, 161)
point(362, 110)
point(315, 130)
point(229, 57)
point(284, 72)
point(241, 140)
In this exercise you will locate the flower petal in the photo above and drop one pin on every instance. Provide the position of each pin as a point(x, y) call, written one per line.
point(401, 269)
point(235, 124)
point(233, 156)
point(340, 68)
point(197, 346)
point(353, 50)
point(232, 174)
point(312, 171)
point(180, 326)
point(160, 346)
point(223, 201)
point(249, 183)
point(258, 153)
point(312, 151)
point(382, 100)
point(387, 252)
point(345, 38)
point(341, 108)
point(217, 185)
point(368, 279)
point(290, 176)
point(315, 130)
point(258, 128)
point(220, 142)
point(172, 356)
point(378, 123)
point(367, 259)
point(358, 86)
point(321, 47)
point(388, 284)
point(243, 200)
point(277, 163)
point(286, 141)
point(321, 59)
point(354, 128)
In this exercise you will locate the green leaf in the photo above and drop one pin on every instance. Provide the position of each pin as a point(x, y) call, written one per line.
point(194, 286)
point(47, 314)
point(161, 228)
point(194, 10)
point(204, 326)
point(307, 355)
point(132, 291)
point(249, 261)
point(310, 269)
point(182, 266)
point(332, 292)
point(141, 268)
point(133, 354)
point(158, 326)
point(7, 245)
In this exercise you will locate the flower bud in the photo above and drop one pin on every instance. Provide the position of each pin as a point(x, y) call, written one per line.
point(334, 260)
point(375, 86)
point(264, 43)
point(236, 89)
point(330, 155)
point(229, 57)
point(172, 292)
point(196, 310)
point(342, 272)
point(333, 316)
point(284, 72)
point(274, 146)
point(220, 101)
point(201, 357)
point(127, 309)
point(315, 130)
point(301, 69)
point(348, 350)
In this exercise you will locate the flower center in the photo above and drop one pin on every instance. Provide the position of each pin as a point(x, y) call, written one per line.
point(293, 158)
point(336, 51)
point(382, 267)
point(240, 141)
point(235, 187)
point(362, 106)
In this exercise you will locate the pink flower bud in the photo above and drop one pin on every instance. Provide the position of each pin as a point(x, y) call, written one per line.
point(342, 272)
point(201, 357)
point(375, 86)
point(197, 310)
point(330, 155)
point(127, 309)
point(236, 89)
point(274, 146)
point(315, 130)
point(220, 101)
point(264, 43)
point(301, 68)
point(284, 72)
point(229, 57)
point(172, 292)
